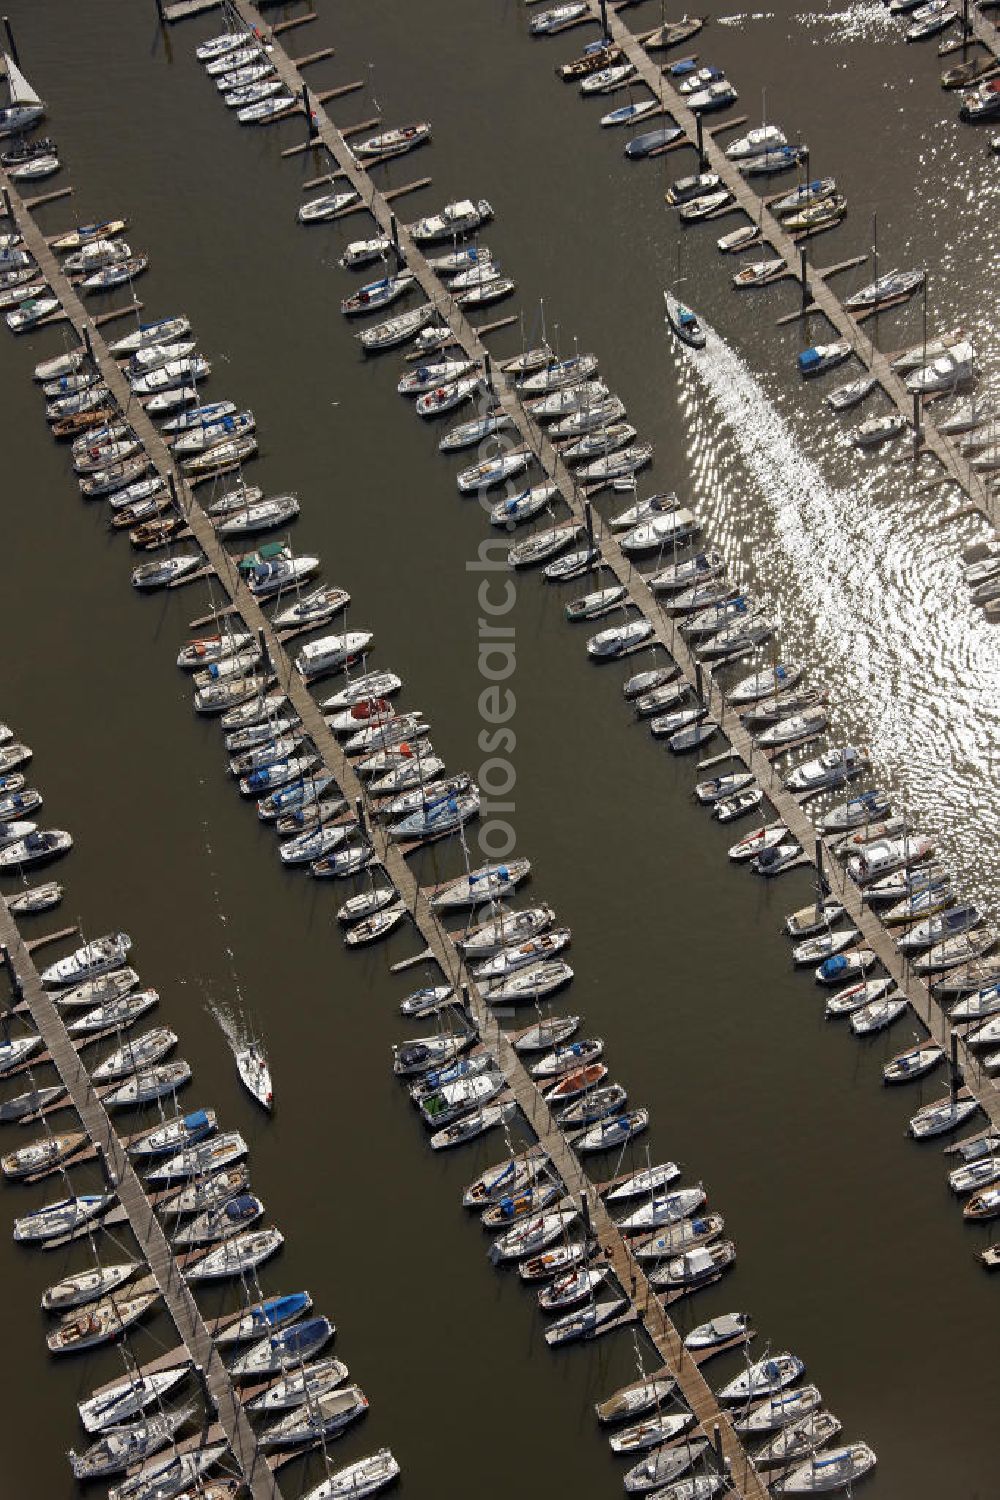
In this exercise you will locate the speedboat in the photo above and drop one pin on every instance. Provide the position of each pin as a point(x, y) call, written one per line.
point(822, 357)
point(683, 322)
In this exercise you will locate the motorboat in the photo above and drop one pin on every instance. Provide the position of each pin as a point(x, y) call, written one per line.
point(928, 20)
point(715, 96)
point(719, 1330)
point(165, 572)
point(757, 142)
point(851, 964)
point(455, 220)
point(88, 962)
point(35, 848)
point(944, 372)
point(557, 16)
point(830, 769)
point(618, 640)
point(883, 856)
point(683, 322)
point(822, 357)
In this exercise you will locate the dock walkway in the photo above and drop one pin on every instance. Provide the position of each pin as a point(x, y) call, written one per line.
point(145, 1226)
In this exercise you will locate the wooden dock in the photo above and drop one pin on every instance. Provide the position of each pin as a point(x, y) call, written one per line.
point(146, 1228)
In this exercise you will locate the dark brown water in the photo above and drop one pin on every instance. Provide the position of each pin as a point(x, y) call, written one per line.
point(851, 1250)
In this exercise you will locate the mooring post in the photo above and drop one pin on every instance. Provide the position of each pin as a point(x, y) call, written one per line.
point(717, 1443)
point(585, 1211)
point(172, 487)
point(699, 678)
point(488, 369)
point(394, 232)
point(604, 20)
point(916, 422)
point(4, 204)
point(159, 13)
point(87, 344)
point(802, 276)
point(359, 813)
point(312, 129)
point(819, 866)
point(588, 516)
point(701, 144)
point(953, 1084)
point(11, 44)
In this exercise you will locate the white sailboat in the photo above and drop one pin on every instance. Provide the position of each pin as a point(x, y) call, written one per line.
point(25, 108)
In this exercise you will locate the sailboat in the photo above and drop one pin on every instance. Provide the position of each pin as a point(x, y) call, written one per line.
point(25, 108)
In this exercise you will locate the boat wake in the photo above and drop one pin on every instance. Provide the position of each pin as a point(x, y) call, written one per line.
point(865, 586)
point(868, 21)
